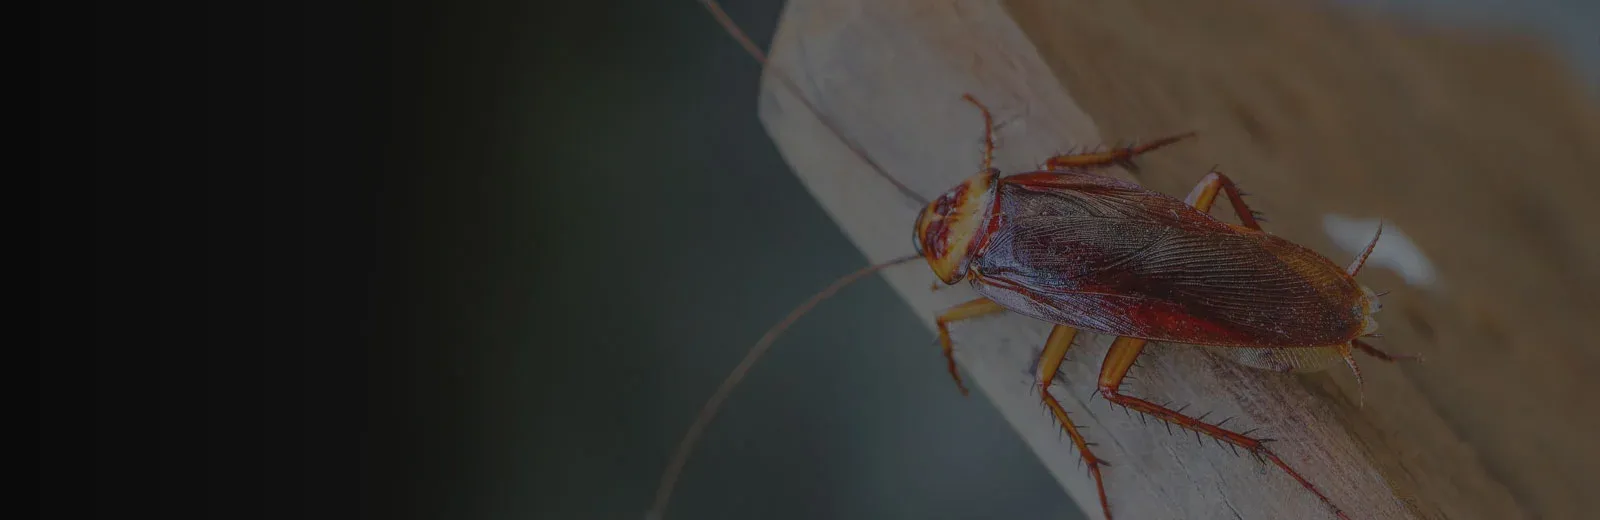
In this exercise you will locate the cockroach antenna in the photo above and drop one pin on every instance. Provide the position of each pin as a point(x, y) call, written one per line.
point(709, 410)
point(680, 457)
point(761, 57)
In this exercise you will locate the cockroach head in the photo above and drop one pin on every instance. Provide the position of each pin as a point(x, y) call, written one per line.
point(950, 225)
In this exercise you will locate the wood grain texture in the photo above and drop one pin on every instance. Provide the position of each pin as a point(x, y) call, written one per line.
point(890, 74)
point(1481, 145)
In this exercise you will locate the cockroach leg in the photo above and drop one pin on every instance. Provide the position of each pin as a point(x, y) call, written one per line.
point(1205, 193)
point(1120, 358)
point(965, 311)
point(1385, 356)
point(1350, 360)
point(1055, 351)
point(1120, 155)
point(988, 130)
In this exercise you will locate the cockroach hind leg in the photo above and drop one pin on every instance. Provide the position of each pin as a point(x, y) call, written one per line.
point(1112, 371)
point(1204, 194)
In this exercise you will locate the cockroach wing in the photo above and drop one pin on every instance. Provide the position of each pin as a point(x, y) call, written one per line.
point(1111, 257)
point(1280, 359)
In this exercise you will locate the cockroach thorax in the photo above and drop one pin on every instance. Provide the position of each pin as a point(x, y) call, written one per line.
point(952, 223)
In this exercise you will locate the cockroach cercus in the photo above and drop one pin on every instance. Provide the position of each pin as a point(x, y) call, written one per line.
point(1084, 251)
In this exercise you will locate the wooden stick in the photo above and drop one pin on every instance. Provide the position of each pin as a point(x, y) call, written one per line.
point(890, 75)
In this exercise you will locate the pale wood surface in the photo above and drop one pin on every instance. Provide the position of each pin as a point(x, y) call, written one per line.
point(1481, 144)
point(890, 75)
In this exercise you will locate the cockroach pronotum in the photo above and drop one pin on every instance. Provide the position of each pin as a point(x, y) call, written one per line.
point(1083, 251)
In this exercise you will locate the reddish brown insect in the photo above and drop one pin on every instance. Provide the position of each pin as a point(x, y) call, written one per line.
point(1088, 252)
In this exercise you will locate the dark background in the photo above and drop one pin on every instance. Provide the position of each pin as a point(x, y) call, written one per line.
point(461, 260)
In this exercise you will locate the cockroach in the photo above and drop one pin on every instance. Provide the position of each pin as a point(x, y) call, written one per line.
point(1088, 252)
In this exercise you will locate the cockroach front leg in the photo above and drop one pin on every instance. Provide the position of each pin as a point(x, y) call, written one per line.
point(1121, 156)
point(988, 130)
point(965, 311)
point(1117, 363)
point(1055, 351)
